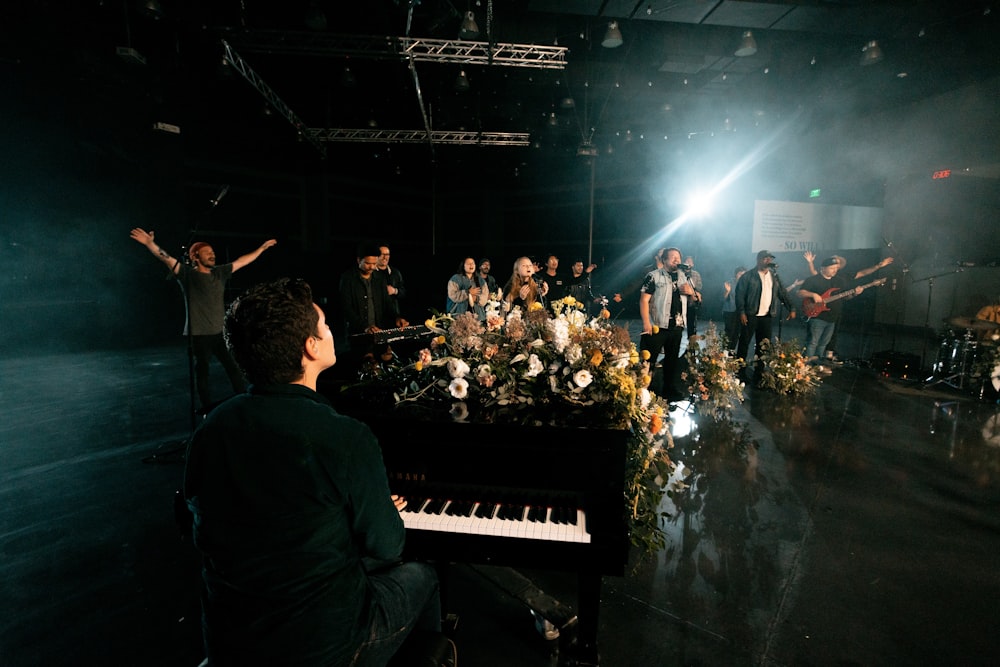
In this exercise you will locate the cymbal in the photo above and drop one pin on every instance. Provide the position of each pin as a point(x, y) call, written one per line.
point(972, 323)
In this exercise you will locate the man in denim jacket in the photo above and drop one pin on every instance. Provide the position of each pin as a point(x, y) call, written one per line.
point(663, 302)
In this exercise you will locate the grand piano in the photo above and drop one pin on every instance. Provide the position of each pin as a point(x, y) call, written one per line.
point(544, 498)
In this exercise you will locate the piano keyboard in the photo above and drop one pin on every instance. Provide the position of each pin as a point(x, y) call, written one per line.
point(554, 524)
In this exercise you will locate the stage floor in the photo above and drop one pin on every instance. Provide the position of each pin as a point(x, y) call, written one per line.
point(859, 526)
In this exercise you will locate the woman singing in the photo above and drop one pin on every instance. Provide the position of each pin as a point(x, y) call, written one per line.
point(466, 292)
point(522, 289)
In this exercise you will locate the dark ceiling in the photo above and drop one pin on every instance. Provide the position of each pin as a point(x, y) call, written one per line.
point(674, 76)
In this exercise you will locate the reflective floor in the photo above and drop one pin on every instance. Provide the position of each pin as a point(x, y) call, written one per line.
point(860, 526)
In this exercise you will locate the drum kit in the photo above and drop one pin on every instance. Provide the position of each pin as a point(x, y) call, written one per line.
point(967, 350)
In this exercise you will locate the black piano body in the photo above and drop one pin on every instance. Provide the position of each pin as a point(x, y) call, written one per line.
point(515, 464)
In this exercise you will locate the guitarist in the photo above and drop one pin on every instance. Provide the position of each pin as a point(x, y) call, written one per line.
point(820, 327)
point(810, 257)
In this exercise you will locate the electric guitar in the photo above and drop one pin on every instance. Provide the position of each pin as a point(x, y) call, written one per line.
point(813, 308)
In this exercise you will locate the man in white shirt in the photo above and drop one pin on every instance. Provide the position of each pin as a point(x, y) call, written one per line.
point(757, 295)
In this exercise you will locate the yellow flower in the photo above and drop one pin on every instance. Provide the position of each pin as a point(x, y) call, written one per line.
point(656, 329)
point(645, 355)
point(569, 301)
point(645, 380)
point(596, 357)
point(605, 314)
point(430, 323)
point(440, 340)
point(419, 366)
point(633, 357)
point(535, 306)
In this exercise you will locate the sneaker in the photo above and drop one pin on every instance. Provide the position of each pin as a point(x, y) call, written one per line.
point(823, 370)
point(833, 360)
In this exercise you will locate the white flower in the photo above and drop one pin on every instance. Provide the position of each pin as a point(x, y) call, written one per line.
point(459, 388)
point(534, 366)
point(457, 368)
point(582, 378)
point(574, 353)
point(576, 318)
point(558, 329)
point(459, 411)
point(644, 398)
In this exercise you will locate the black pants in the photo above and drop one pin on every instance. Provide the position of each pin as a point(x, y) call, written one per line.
point(731, 326)
point(204, 348)
point(669, 341)
point(692, 317)
point(760, 329)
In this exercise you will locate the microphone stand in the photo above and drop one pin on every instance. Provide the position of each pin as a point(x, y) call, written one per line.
point(927, 313)
point(176, 454)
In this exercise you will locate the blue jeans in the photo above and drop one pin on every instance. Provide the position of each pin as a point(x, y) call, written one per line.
point(820, 332)
point(406, 597)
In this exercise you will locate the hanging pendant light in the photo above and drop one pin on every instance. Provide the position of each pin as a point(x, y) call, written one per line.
point(613, 37)
point(871, 53)
point(748, 45)
point(469, 29)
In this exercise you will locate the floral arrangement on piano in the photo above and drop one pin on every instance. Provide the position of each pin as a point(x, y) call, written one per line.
point(712, 377)
point(554, 367)
point(786, 370)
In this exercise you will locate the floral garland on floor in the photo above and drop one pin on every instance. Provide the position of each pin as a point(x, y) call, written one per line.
point(556, 368)
point(785, 369)
point(713, 376)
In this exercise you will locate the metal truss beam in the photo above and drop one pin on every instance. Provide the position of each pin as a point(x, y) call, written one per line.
point(401, 48)
point(272, 98)
point(334, 135)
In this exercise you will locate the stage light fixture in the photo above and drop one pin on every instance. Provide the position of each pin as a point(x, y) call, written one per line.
point(469, 29)
point(871, 53)
point(747, 47)
point(613, 37)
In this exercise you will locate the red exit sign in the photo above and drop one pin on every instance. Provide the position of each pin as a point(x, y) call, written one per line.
point(943, 173)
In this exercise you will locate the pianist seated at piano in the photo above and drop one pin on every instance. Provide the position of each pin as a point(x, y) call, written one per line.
point(301, 537)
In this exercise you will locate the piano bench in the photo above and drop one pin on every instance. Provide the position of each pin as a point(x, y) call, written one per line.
point(425, 649)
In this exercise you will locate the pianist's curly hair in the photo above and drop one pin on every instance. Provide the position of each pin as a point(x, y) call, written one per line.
point(266, 328)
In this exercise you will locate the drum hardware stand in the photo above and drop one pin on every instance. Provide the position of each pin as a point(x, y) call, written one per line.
point(959, 367)
point(927, 312)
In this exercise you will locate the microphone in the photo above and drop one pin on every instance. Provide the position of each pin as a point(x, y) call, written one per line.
point(887, 242)
point(218, 197)
point(684, 267)
point(772, 266)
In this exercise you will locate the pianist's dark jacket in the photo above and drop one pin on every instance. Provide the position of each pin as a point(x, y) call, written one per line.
point(283, 524)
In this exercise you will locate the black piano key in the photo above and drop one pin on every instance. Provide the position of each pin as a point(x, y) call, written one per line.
point(514, 512)
point(486, 510)
point(434, 506)
point(414, 504)
point(460, 508)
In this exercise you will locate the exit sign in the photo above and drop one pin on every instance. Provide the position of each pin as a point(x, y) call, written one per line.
point(813, 194)
point(942, 173)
